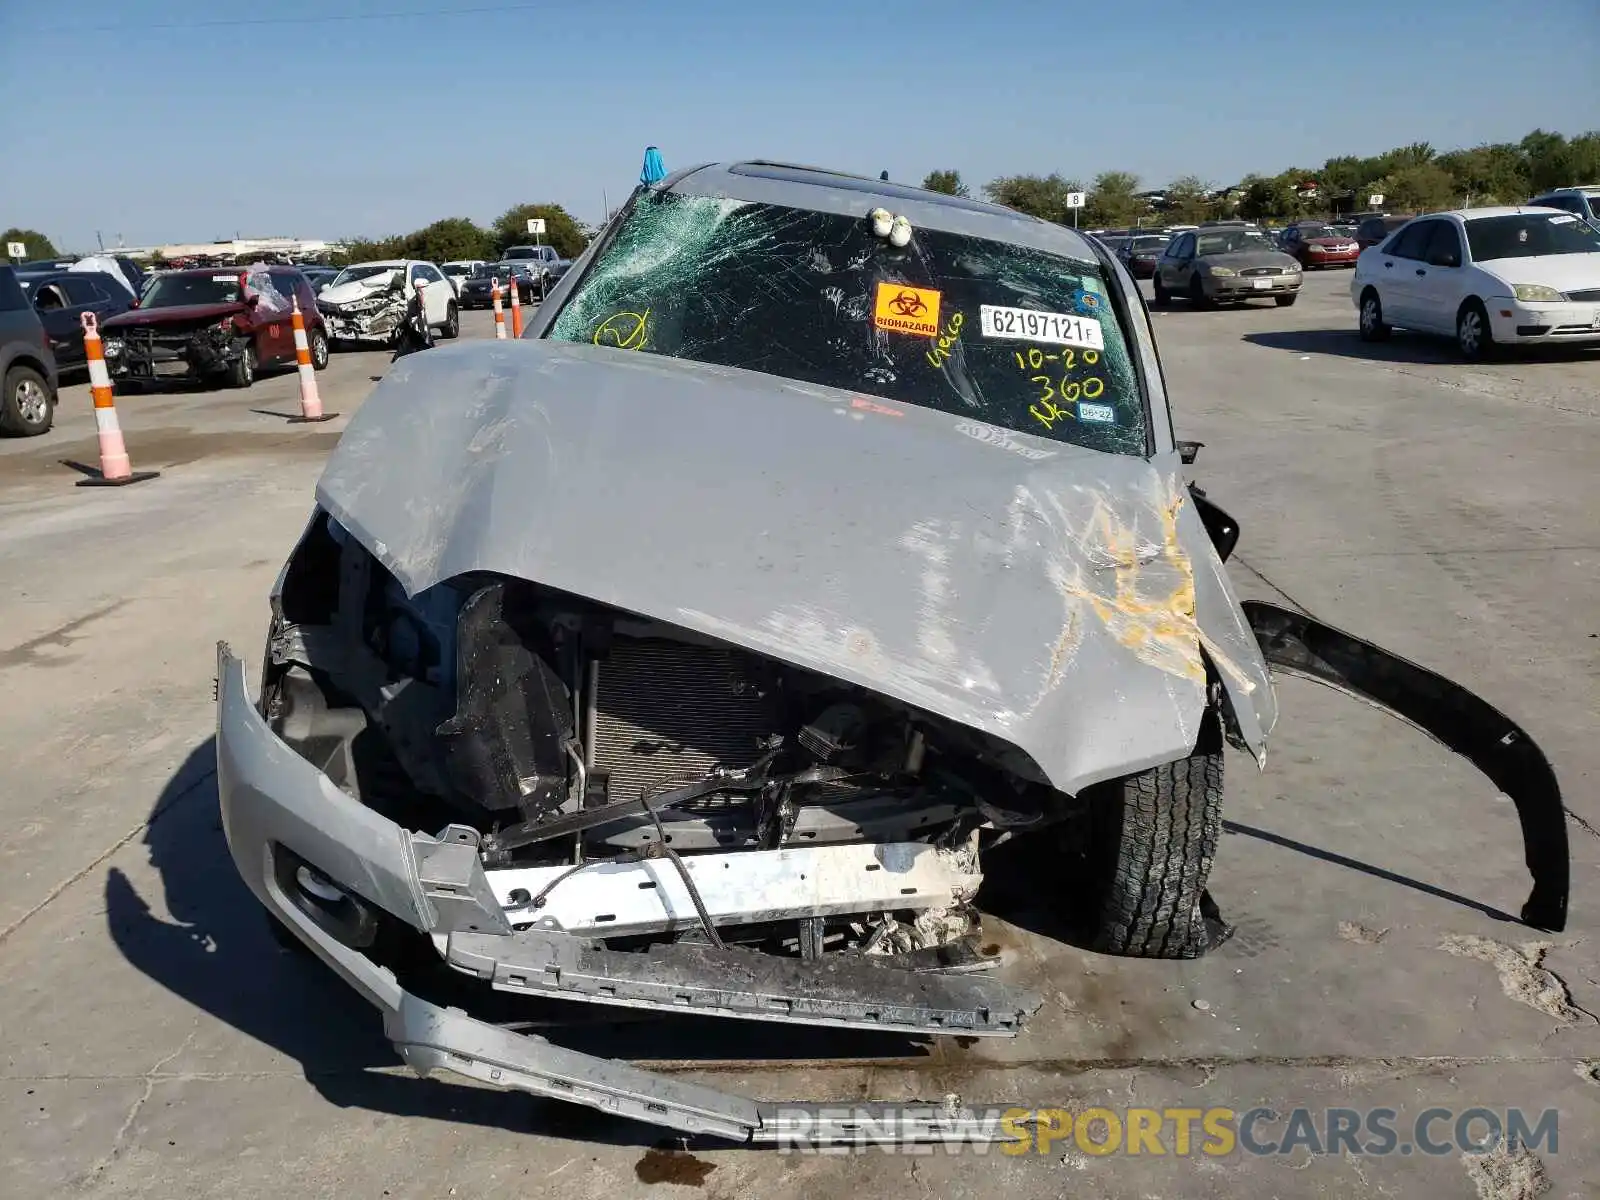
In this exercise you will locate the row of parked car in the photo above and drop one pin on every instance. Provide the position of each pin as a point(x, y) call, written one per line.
point(223, 322)
point(1486, 277)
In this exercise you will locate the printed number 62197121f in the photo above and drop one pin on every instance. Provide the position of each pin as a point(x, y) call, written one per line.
point(1030, 325)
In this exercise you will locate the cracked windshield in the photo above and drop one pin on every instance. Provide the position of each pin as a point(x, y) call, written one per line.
point(1011, 336)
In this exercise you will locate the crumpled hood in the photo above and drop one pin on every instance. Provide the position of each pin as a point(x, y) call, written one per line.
point(359, 289)
point(1058, 598)
point(174, 314)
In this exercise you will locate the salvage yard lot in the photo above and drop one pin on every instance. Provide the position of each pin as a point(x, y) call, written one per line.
point(157, 1042)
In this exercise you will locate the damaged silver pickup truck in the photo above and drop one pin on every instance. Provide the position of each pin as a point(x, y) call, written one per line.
point(690, 653)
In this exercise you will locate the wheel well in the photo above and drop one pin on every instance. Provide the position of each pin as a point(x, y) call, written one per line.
point(27, 359)
point(1369, 290)
point(1471, 302)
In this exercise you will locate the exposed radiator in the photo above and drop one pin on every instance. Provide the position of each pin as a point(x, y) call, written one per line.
point(668, 712)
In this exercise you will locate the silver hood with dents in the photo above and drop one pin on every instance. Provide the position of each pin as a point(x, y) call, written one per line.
point(1063, 600)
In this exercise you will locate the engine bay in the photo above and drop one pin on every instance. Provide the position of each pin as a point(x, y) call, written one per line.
point(565, 733)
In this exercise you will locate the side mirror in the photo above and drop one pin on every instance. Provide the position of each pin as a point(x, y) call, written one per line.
point(1189, 451)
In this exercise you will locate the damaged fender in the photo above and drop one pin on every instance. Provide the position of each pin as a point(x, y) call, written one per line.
point(1295, 643)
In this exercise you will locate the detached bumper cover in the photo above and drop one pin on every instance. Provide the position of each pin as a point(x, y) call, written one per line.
point(277, 807)
point(1447, 712)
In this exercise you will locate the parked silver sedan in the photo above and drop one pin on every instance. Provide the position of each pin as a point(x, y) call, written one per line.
point(1206, 266)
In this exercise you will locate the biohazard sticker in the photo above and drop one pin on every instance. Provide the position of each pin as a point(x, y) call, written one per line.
point(905, 309)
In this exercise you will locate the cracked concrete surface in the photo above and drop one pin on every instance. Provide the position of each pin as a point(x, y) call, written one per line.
point(1507, 1173)
point(1523, 976)
point(157, 1042)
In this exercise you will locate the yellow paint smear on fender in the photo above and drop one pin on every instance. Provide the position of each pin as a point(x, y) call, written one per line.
point(1142, 589)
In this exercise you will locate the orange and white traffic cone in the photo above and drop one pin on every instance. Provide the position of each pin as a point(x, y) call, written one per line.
point(516, 309)
point(115, 470)
point(310, 398)
point(499, 311)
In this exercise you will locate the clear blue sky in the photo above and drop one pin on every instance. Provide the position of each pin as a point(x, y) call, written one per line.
point(172, 120)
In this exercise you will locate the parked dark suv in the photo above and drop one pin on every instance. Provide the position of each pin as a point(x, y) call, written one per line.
point(209, 322)
point(27, 367)
point(1375, 229)
point(1580, 201)
point(126, 267)
point(62, 298)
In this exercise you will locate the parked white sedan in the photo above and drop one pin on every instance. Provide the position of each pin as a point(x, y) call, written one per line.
point(1487, 276)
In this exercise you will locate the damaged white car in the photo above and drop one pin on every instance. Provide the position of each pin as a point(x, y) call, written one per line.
point(691, 653)
point(367, 302)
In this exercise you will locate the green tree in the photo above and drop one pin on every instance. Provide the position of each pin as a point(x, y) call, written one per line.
point(1112, 201)
point(1042, 196)
point(1576, 162)
point(450, 239)
point(1495, 174)
point(1425, 187)
point(560, 230)
point(38, 245)
point(1345, 173)
point(1544, 153)
point(1403, 158)
point(1187, 201)
point(948, 182)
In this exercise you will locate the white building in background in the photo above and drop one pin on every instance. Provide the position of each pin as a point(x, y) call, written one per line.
point(239, 249)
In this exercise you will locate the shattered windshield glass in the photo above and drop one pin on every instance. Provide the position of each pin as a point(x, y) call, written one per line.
point(1008, 335)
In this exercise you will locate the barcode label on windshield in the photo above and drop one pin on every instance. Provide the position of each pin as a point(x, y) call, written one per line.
point(1030, 325)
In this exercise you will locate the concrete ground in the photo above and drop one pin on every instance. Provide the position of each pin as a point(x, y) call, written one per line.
point(157, 1043)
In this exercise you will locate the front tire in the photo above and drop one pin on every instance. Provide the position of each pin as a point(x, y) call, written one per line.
point(1373, 328)
point(1474, 338)
point(242, 371)
point(1285, 301)
point(452, 322)
point(319, 350)
point(1197, 293)
point(1163, 297)
point(1153, 838)
point(27, 408)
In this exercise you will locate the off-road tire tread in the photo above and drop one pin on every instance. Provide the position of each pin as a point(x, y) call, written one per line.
point(1159, 831)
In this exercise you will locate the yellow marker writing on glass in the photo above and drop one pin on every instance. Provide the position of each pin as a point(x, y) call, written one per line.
point(941, 351)
point(623, 330)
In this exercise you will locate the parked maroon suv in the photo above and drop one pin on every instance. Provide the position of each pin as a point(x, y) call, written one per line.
point(206, 322)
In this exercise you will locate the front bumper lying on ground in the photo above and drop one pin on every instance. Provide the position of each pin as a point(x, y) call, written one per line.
point(1297, 644)
point(280, 815)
